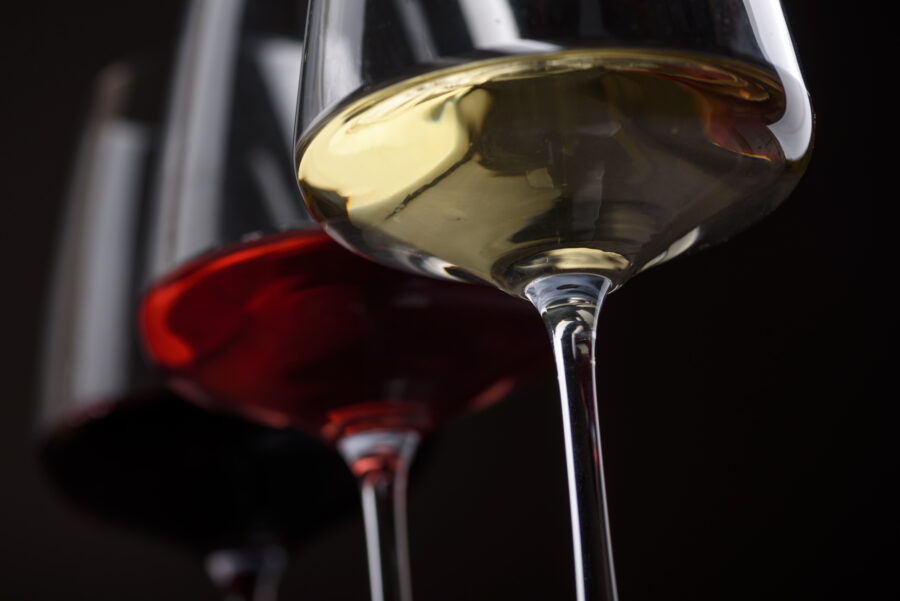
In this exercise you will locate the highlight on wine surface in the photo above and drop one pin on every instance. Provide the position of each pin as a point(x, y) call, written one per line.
point(552, 149)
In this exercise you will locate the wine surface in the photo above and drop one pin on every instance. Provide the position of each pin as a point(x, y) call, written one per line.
point(204, 480)
point(294, 330)
point(601, 161)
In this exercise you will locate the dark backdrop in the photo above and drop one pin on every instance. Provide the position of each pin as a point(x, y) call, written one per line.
point(747, 454)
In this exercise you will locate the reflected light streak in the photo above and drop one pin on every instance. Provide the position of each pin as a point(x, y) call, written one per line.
point(794, 128)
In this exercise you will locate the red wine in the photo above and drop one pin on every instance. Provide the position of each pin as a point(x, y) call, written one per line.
point(296, 330)
point(201, 479)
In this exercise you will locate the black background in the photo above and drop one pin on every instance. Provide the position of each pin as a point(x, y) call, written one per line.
point(747, 454)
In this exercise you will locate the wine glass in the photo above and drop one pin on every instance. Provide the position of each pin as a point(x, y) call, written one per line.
point(552, 149)
point(252, 308)
point(112, 438)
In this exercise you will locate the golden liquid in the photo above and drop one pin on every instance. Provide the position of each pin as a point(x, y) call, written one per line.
point(602, 161)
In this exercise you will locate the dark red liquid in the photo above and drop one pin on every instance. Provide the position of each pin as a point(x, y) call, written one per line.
point(201, 479)
point(294, 329)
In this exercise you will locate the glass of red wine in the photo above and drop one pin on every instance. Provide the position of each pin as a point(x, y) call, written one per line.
point(552, 149)
point(117, 442)
point(252, 308)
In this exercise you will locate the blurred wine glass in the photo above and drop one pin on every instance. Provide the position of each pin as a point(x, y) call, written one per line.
point(114, 440)
point(251, 307)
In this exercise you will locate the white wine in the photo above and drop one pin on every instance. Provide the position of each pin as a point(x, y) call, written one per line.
point(600, 161)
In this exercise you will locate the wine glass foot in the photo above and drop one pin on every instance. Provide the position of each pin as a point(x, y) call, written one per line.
point(247, 574)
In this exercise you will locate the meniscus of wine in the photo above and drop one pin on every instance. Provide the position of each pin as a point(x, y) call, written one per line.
point(600, 161)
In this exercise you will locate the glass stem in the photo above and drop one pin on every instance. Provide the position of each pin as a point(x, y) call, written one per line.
point(247, 574)
point(569, 304)
point(380, 460)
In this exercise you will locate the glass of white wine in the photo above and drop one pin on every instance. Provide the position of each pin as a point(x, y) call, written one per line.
point(553, 149)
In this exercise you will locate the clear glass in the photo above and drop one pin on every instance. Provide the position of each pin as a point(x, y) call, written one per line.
point(113, 439)
point(250, 307)
point(552, 149)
